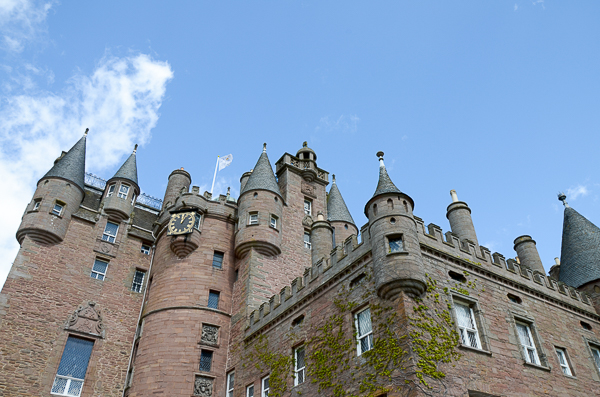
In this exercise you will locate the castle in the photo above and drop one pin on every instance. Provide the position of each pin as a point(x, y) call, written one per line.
point(280, 293)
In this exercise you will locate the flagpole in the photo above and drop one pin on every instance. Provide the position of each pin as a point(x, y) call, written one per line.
point(214, 177)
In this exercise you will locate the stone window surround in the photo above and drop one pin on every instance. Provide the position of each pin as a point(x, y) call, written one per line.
point(262, 385)
point(62, 211)
point(34, 202)
point(301, 345)
point(355, 314)
point(250, 221)
point(526, 319)
point(91, 359)
point(479, 314)
point(249, 389)
point(230, 385)
point(276, 219)
point(307, 209)
point(568, 360)
point(116, 234)
point(394, 235)
point(593, 344)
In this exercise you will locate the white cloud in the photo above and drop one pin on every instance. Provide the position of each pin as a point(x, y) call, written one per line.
point(346, 124)
point(118, 102)
point(516, 7)
point(22, 21)
point(576, 191)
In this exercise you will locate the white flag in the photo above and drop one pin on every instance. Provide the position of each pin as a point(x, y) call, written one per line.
point(225, 161)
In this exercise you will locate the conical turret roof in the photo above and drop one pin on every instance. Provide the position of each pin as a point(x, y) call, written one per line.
point(336, 206)
point(385, 184)
point(262, 177)
point(129, 168)
point(580, 250)
point(71, 166)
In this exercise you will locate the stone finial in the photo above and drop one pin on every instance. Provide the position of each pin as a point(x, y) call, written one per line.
point(304, 144)
point(86, 131)
point(333, 178)
point(228, 191)
point(181, 168)
point(135, 148)
point(265, 147)
point(557, 261)
point(320, 216)
point(563, 197)
point(454, 196)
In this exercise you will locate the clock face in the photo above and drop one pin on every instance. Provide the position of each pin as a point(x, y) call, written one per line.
point(181, 223)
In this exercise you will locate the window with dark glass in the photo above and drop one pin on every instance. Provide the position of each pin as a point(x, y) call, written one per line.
point(395, 244)
point(99, 269)
point(110, 232)
point(72, 368)
point(218, 260)
point(206, 357)
point(213, 299)
point(145, 249)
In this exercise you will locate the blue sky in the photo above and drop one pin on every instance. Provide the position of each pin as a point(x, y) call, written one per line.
point(498, 100)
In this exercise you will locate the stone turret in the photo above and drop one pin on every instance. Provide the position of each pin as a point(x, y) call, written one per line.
point(260, 210)
point(397, 261)
point(337, 213)
point(122, 190)
point(58, 195)
point(321, 237)
point(461, 224)
point(528, 253)
point(179, 181)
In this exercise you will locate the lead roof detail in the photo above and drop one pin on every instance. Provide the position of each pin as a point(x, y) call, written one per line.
point(71, 166)
point(385, 184)
point(262, 177)
point(580, 250)
point(336, 206)
point(129, 168)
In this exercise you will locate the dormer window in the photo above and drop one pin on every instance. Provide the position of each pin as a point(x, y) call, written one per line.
point(57, 209)
point(111, 190)
point(307, 207)
point(123, 191)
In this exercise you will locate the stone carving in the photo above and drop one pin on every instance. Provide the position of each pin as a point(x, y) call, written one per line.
point(307, 221)
point(295, 163)
point(105, 247)
point(210, 334)
point(321, 174)
point(86, 319)
point(203, 386)
point(306, 164)
point(307, 188)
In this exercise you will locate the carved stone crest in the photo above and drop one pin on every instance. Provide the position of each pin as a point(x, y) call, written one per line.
point(210, 334)
point(307, 221)
point(86, 319)
point(203, 386)
point(307, 188)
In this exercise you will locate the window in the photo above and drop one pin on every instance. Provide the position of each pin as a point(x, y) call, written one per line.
point(273, 223)
point(562, 360)
point(395, 244)
point(265, 387)
point(123, 191)
point(299, 365)
point(596, 356)
point(218, 260)
point(197, 221)
point(111, 190)
point(307, 207)
point(250, 391)
point(527, 344)
point(57, 209)
point(133, 199)
point(362, 321)
point(230, 382)
point(307, 240)
point(99, 269)
point(213, 299)
point(253, 219)
point(206, 357)
point(466, 325)
point(514, 299)
point(36, 204)
point(145, 249)
point(110, 232)
point(138, 281)
point(73, 365)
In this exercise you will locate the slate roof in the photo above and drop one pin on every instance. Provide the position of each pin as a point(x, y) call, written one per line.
point(385, 184)
point(129, 169)
point(336, 206)
point(580, 250)
point(262, 176)
point(72, 165)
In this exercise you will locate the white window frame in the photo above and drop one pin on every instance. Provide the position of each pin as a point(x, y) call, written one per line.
point(273, 222)
point(264, 391)
point(145, 251)
point(36, 204)
point(230, 383)
point(307, 207)
point(466, 331)
point(111, 190)
point(123, 194)
point(253, 218)
point(298, 370)
point(307, 242)
point(595, 355)
point(133, 283)
point(368, 335)
point(60, 211)
point(108, 235)
point(248, 390)
point(563, 361)
point(95, 273)
point(528, 348)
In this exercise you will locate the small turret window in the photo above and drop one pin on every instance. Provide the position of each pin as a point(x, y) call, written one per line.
point(218, 260)
point(197, 222)
point(253, 218)
point(395, 244)
point(307, 207)
point(57, 209)
point(36, 204)
point(307, 243)
point(110, 232)
point(213, 299)
point(111, 190)
point(123, 191)
point(273, 223)
point(206, 357)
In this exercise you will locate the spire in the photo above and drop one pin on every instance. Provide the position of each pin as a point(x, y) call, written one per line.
point(336, 207)
point(580, 250)
point(385, 184)
point(262, 177)
point(129, 168)
point(71, 165)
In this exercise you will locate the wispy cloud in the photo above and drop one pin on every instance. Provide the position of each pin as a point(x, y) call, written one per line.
point(118, 101)
point(344, 124)
point(22, 21)
point(516, 7)
point(574, 192)
point(540, 2)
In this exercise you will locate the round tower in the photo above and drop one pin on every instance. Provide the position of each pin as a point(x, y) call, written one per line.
point(397, 261)
point(57, 196)
point(338, 215)
point(459, 215)
point(260, 210)
point(122, 190)
point(528, 253)
point(321, 238)
point(179, 181)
